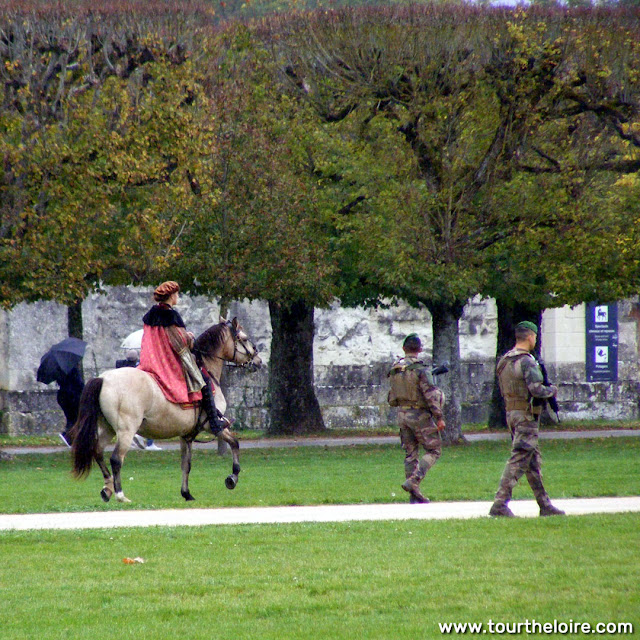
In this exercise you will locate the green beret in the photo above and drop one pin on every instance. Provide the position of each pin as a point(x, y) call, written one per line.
point(527, 325)
point(411, 336)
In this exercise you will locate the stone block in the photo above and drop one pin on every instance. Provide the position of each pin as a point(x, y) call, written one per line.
point(477, 372)
point(16, 423)
point(350, 417)
point(29, 401)
point(475, 413)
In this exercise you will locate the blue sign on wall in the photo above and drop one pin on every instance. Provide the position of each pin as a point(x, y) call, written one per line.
point(602, 342)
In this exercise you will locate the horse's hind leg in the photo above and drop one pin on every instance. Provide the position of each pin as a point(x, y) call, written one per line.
point(117, 460)
point(123, 415)
point(185, 464)
point(103, 439)
point(232, 480)
point(107, 490)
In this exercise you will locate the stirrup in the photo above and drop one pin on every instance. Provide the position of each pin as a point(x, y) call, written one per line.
point(217, 422)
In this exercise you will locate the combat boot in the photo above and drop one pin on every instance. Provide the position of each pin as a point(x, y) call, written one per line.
point(413, 487)
point(549, 510)
point(500, 509)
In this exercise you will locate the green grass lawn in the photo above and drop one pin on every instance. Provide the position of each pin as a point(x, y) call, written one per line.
point(382, 580)
point(358, 474)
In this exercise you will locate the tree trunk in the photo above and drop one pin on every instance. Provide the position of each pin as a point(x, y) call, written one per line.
point(446, 348)
point(293, 406)
point(225, 305)
point(74, 320)
point(509, 314)
point(75, 328)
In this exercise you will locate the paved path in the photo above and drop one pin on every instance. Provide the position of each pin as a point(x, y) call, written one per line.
point(283, 443)
point(323, 513)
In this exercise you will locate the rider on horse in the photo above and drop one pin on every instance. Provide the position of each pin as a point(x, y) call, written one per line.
point(166, 355)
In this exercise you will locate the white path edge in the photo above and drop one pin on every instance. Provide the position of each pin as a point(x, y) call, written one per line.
point(323, 513)
point(289, 443)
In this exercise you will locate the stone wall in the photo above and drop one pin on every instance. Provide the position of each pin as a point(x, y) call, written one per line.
point(352, 352)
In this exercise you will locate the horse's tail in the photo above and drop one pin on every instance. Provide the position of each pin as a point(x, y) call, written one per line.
point(85, 430)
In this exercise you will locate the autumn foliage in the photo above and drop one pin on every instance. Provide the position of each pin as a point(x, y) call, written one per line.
point(94, 114)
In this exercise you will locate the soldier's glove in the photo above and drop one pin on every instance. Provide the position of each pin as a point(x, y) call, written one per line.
point(441, 425)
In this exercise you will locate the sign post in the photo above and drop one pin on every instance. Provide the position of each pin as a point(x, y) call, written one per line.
point(601, 323)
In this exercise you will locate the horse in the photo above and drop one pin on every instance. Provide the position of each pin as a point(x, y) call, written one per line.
point(123, 402)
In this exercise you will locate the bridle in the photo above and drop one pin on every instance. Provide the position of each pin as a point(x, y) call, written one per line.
point(237, 340)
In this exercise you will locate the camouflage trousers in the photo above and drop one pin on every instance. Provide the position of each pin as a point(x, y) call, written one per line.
point(525, 458)
point(418, 429)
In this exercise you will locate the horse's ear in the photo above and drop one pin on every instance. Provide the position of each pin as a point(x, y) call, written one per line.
point(235, 324)
point(222, 320)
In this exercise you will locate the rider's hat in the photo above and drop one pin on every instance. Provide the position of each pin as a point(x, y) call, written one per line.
point(165, 290)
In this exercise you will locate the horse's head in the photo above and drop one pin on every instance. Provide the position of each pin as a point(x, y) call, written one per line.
point(245, 352)
point(228, 341)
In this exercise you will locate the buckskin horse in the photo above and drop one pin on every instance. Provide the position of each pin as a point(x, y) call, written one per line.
point(126, 401)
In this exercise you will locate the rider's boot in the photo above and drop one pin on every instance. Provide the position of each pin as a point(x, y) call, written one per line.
point(217, 422)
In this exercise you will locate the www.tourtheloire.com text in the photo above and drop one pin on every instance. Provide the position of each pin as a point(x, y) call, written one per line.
point(533, 626)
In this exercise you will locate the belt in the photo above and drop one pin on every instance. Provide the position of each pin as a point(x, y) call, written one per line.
point(405, 407)
point(516, 404)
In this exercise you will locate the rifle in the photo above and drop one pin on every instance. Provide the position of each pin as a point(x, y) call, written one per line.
point(552, 403)
point(443, 368)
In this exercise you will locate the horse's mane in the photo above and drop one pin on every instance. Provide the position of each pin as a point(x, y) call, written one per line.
point(211, 339)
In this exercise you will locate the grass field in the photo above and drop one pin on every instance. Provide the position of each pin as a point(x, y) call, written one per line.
point(368, 474)
point(382, 580)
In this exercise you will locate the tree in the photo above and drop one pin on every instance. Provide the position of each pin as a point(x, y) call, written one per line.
point(472, 94)
point(254, 221)
point(565, 193)
point(460, 103)
point(94, 121)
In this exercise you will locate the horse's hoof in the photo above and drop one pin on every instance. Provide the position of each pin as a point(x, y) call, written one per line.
point(121, 497)
point(231, 481)
point(105, 495)
point(187, 495)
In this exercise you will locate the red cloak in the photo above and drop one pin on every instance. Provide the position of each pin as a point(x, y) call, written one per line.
point(161, 361)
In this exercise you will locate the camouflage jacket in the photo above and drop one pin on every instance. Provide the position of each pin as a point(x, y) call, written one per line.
point(412, 387)
point(520, 379)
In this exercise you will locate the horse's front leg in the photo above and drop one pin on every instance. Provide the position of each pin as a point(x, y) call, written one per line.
point(185, 464)
point(232, 480)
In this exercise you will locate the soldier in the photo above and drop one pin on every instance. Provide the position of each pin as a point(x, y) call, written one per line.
point(520, 381)
point(420, 418)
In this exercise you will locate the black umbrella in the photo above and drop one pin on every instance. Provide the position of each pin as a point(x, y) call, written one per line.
point(60, 359)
